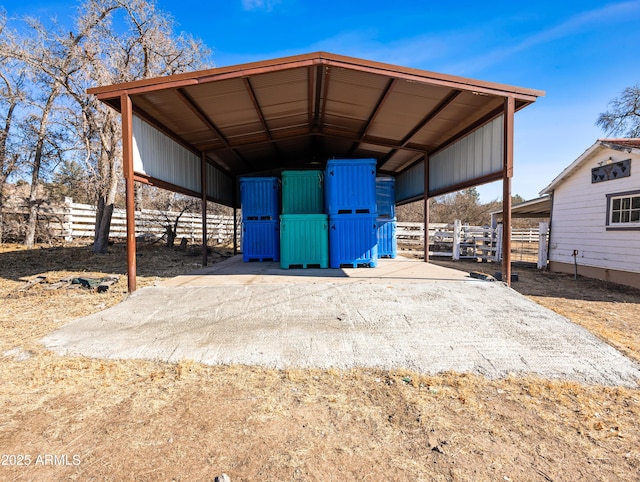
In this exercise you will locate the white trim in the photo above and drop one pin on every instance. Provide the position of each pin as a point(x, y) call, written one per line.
point(622, 224)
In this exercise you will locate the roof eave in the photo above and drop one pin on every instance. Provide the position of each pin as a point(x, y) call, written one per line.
point(318, 58)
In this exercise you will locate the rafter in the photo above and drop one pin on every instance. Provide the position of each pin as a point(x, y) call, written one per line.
point(326, 77)
point(263, 121)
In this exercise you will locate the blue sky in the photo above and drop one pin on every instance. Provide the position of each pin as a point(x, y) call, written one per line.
point(582, 53)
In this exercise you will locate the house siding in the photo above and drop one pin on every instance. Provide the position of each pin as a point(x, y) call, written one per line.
point(580, 214)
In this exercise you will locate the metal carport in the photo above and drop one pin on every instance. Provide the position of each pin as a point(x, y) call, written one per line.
point(197, 132)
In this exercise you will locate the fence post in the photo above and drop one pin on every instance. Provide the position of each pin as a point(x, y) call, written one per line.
point(542, 245)
point(67, 219)
point(457, 234)
point(425, 236)
point(498, 257)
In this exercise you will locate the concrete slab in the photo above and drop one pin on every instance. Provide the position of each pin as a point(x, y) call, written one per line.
point(234, 271)
point(403, 314)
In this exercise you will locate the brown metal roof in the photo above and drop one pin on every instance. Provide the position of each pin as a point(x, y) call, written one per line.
point(299, 111)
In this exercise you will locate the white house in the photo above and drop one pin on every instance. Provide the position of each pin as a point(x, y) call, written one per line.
point(595, 213)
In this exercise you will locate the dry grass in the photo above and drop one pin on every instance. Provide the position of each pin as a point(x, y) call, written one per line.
point(143, 420)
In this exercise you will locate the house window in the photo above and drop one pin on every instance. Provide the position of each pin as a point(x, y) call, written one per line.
point(623, 210)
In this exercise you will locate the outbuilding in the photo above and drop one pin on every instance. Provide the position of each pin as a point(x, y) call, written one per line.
point(595, 213)
point(197, 133)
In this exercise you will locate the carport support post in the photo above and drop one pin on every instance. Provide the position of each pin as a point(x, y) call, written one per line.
point(203, 189)
point(509, 112)
point(127, 164)
point(426, 209)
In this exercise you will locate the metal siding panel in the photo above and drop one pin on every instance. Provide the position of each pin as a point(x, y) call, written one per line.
point(476, 155)
point(410, 183)
point(497, 144)
point(219, 185)
point(158, 156)
point(487, 143)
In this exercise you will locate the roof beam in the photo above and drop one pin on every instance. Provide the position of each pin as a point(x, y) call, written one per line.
point(256, 106)
point(376, 141)
point(322, 104)
point(392, 144)
point(189, 102)
point(311, 78)
point(317, 98)
point(432, 115)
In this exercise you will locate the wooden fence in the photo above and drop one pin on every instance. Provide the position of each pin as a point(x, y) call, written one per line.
point(459, 241)
point(75, 220)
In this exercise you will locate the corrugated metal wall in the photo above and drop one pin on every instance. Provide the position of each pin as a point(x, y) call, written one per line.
point(158, 156)
point(410, 183)
point(219, 186)
point(474, 156)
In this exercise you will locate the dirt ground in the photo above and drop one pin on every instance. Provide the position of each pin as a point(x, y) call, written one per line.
point(71, 418)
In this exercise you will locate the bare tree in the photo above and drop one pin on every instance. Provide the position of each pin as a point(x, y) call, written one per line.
point(464, 205)
point(10, 96)
point(51, 56)
point(65, 63)
point(623, 116)
point(177, 205)
point(148, 48)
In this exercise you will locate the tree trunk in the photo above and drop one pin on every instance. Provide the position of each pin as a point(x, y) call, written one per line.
point(35, 171)
point(171, 235)
point(137, 195)
point(32, 221)
point(3, 182)
point(6, 166)
point(32, 204)
point(109, 170)
point(103, 226)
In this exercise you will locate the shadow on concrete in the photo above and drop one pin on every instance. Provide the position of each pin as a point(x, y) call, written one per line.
point(235, 271)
